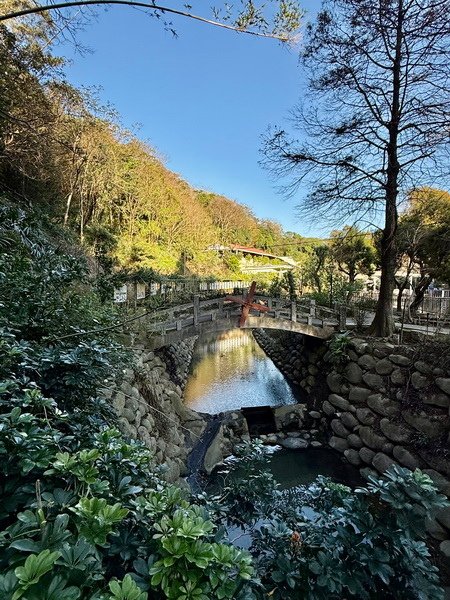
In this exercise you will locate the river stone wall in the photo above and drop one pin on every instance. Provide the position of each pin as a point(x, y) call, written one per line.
point(300, 358)
point(296, 428)
point(380, 404)
point(177, 359)
point(150, 407)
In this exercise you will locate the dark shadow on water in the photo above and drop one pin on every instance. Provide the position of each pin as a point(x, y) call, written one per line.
point(301, 467)
point(291, 468)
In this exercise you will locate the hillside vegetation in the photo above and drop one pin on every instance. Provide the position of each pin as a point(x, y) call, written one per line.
point(64, 153)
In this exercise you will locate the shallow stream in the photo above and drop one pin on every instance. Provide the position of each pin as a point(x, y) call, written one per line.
point(230, 371)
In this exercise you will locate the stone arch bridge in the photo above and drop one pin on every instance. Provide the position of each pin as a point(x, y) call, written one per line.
point(169, 326)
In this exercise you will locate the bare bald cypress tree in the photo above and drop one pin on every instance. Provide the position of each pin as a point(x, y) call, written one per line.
point(376, 119)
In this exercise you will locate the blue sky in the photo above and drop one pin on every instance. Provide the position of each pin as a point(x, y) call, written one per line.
point(203, 100)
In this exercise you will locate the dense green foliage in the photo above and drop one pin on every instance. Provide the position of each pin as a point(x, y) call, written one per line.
point(424, 241)
point(326, 541)
point(353, 252)
point(80, 505)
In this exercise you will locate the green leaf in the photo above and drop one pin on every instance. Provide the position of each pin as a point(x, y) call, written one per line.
point(56, 590)
point(25, 545)
point(36, 565)
point(126, 590)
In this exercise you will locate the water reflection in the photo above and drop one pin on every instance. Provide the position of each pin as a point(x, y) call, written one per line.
point(229, 370)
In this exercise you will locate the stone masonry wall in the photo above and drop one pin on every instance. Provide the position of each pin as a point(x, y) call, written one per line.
point(300, 359)
point(381, 405)
point(150, 407)
point(177, 359)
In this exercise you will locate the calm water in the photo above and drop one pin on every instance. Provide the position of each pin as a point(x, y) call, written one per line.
point(300, 467)
point(229, 370)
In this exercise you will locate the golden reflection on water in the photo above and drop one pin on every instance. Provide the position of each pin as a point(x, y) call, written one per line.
point(229, 370)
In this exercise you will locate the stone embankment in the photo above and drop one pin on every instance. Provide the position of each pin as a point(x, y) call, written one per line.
point(150, 407)
point(300, 358)
point(177, 359)
point(382, 406)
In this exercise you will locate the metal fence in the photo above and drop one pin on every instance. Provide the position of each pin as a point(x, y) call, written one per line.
point(436, 302)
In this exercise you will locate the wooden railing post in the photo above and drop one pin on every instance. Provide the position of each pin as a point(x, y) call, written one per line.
point(196, 308)
point(294, 311)
point(312, 311)
point(132, 294)
point(342, 317)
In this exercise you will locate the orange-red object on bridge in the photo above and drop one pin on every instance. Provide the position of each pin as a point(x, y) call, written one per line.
point(247, 304)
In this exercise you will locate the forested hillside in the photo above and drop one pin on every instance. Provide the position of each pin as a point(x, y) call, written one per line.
point(67, 155)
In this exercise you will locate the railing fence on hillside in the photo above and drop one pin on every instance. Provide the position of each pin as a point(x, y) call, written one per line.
point(436, 302)
point(134, 291)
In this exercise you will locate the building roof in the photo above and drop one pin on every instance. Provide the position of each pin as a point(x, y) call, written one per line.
point(250, 250)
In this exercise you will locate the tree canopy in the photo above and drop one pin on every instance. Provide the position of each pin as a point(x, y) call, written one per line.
point(424, 239)
point(353, 252)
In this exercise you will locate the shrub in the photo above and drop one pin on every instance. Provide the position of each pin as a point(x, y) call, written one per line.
point(338, 348)
point(326, 541)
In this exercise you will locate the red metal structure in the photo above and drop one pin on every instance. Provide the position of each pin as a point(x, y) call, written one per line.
point(247, 304)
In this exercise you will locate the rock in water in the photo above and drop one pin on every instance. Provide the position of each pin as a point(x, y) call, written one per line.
point(294, 443)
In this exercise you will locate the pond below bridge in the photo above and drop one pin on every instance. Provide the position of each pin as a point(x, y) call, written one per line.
point(230, 370)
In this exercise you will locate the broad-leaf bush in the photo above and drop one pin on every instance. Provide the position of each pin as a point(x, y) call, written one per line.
point(81, 506)
point(327, 541)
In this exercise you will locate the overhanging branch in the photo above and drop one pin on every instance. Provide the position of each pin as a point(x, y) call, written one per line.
point(154, 7)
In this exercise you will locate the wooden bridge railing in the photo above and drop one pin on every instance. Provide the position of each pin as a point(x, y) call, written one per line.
point(200, 311)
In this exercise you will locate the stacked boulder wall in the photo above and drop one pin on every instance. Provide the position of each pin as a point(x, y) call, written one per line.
point(149, 405)
point(177, 359)
point(383, 405)
point(299, 358)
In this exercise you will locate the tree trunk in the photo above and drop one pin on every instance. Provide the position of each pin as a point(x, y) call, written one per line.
point(383, 323)
point(68, 203)
point(419, 293)
point(318, 283)
point(351, 281)
point(401, 289)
